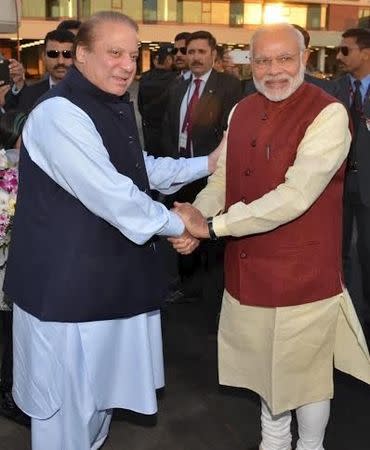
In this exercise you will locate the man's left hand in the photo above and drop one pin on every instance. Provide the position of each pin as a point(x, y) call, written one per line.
point(184, 244)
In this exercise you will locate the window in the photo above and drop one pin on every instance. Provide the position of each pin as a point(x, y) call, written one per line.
point(167, 10)
point(314, 17)
point(52, 9)
point(56, 9)
point(252, 13)
point(285, 13)
point(236, 18)
point(220, 12)
point(133, 8)
point(150, 10)
point(192, 11)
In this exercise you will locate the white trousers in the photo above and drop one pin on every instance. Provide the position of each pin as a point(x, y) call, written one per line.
point(57, 433)
point(78, 424)
point(312, 421)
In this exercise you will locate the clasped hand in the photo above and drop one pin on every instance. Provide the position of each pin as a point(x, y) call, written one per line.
point(196, 228)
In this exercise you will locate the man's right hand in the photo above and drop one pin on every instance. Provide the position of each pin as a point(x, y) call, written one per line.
point(16, 73)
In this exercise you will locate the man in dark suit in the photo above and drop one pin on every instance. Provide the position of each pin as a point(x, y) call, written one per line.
point(354, 92)
point(179, 54)
point(193, 125)
point(58, 58)
point(153, 96)
point(218, 93)
point(328, 86)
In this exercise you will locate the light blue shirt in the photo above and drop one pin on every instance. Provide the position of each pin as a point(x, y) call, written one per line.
point(365, 85)
point(63, 141)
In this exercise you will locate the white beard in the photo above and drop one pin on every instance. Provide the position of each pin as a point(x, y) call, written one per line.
point(277, 95)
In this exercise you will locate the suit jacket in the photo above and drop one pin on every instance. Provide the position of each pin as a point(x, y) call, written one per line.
point(27, 98)
point(220, 94)
point(361, 145)
point(152, 100)
point(329, 86)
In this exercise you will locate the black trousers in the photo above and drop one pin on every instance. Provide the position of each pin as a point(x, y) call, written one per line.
point(7, 356)
point(356, 210)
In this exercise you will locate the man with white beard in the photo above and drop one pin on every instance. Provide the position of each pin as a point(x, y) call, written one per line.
point(277, 192)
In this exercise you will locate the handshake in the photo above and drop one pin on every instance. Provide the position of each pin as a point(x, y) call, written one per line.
point(196, 228)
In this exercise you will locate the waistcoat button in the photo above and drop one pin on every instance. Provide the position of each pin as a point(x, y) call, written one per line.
point(248, 172)
point(243, 255)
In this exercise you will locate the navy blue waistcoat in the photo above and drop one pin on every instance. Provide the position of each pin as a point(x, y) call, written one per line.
point(66, 264)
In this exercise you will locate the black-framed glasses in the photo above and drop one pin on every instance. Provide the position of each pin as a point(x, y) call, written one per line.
point(182, 50)
point(67, 54)
point(344, 49)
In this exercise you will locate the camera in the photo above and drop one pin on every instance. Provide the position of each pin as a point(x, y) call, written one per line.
point(4, 71)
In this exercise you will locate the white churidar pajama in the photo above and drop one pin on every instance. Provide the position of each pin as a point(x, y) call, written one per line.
point(312, 420)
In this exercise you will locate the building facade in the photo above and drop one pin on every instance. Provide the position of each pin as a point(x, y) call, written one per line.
point(231, 21)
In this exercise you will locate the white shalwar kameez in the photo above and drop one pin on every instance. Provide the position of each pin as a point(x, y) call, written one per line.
point(69, 376)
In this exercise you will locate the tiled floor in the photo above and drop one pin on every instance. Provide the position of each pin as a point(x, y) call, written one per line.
point(196, 414)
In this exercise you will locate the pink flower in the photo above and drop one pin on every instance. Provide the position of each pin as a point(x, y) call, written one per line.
point(9, 180)
point(8, 191)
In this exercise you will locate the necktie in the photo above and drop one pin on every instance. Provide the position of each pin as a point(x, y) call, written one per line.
point(188, 120)
point(356, 107)
point(356, 112)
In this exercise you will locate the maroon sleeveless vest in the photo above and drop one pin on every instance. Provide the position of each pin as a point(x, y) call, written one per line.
point(300, 261)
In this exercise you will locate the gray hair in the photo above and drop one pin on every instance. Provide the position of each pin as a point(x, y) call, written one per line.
point(276, 28)
point(86, 34)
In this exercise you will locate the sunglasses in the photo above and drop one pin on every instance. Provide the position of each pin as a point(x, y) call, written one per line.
point(345, 50)
point(67, 54)
point(182, 50)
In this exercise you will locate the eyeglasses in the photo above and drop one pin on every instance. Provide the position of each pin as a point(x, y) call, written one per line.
point(67, 54)
point(345, 50)
point(282, 61)
point(182, 50)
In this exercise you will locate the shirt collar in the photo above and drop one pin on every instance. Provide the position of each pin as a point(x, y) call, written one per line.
point(204, 77)
point(365, 82)
point(52, 83)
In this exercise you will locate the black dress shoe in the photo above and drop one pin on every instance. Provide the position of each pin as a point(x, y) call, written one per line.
point(10, 410)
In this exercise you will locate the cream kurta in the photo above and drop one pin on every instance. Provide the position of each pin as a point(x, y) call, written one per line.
point(286, 354)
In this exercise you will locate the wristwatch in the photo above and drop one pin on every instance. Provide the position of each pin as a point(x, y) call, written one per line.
point(212, 234)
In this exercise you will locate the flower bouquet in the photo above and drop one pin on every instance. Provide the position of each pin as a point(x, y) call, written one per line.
point(8, 195)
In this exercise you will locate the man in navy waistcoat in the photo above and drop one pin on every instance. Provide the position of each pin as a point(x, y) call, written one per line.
point(84, 269)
